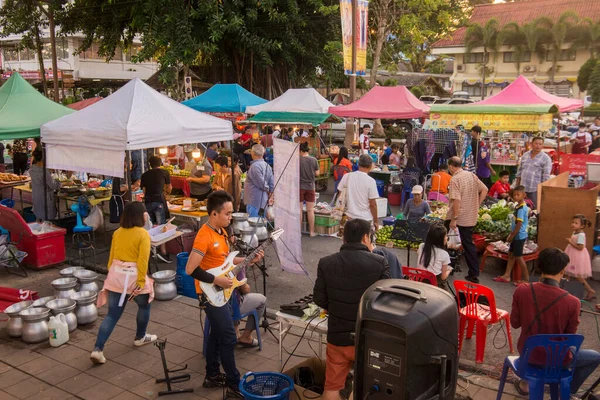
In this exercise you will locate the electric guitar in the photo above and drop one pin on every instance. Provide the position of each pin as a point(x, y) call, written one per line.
point(218, 296)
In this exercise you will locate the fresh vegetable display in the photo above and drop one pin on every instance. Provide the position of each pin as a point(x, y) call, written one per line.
point(384, 236)
point(496, 220)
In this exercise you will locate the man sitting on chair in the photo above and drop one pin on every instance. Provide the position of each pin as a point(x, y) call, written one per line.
point(544, 308)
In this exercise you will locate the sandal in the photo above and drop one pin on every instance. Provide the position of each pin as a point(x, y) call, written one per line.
point(517, 283)
point(501, 279)
point(254, 343)
point(517, 384)
point(590, 297)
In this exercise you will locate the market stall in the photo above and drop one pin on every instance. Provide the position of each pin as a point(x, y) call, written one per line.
point(224, 98)
point(135, 117)
point(306, 100)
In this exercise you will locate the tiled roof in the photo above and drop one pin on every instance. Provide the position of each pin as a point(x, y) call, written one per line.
point(522, 12)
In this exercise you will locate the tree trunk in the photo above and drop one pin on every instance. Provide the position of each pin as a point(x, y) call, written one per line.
point(54, 59)
point(38, 47)
point(269, 84)
point(380, 38)
point(251, 71)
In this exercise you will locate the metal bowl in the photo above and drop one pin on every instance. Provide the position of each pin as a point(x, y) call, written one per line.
point(240, 216)
point(34, 314)
point(164, 276)
point(85, 276)
point(85, 297)
point(64, 283)
point(68, 272)
point(61, 305)
point(43, 301)
point(257, 221)
point(15, 309)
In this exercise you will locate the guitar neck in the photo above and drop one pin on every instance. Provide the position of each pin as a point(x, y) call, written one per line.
point(251, 256)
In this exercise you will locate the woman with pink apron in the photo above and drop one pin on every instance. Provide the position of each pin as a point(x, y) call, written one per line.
point(127, 279)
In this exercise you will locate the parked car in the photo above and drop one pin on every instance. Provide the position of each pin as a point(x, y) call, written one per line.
point(587, 101)
point(457, 100)
point(428, 99)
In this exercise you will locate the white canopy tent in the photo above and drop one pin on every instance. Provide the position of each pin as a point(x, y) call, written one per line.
point(134, 117)
point(295, 100)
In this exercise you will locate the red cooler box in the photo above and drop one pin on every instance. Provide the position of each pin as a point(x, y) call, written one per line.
point(43, 249)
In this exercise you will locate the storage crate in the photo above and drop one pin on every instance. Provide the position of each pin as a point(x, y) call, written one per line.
point(327, 230)
point(325, 220)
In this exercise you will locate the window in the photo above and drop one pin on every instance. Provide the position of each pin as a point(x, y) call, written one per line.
point(473, 90)
point(11, 55)
point(475, 58)
point(62, 50)
point(134, 50)
point(563, 89)
point(564, 55)
point(27, 54)
point(511, 57)
point(92, 53)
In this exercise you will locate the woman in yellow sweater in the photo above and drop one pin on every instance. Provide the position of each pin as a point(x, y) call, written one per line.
point(127, 279)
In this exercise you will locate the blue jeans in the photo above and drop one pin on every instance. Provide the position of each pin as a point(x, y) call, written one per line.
point(221, 343)
point(251, 210)
point(156, 210)
point(115, 312)
point(587, 362)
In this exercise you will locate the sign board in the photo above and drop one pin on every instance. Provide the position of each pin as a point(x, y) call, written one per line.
point(576, 164)
point(519, 123)
point(362, 20)
point(32, 75)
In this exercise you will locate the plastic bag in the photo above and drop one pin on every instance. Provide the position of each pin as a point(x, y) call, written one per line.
point(453, 239)
point(95, 219)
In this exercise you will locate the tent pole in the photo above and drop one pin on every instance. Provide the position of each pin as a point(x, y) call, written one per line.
point(129, 194)
point(233, 188)
point(45, 178)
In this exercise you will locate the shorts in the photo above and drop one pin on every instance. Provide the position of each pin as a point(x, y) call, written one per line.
point(516, 247)
point(340, 360)
point(309, 196)
point(156, 210)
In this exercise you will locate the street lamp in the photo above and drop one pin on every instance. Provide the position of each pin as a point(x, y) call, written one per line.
point(196, 153)
point(163, 151)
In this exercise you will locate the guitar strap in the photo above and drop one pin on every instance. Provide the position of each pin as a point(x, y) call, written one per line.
point(537, 319)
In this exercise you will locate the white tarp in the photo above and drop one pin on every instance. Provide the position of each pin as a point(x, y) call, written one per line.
point(287, 213)
point(295, 100)
point(134, 117)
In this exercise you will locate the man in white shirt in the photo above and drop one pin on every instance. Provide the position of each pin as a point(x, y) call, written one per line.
point(596, 125)
point(361, 191)
point(363, 139)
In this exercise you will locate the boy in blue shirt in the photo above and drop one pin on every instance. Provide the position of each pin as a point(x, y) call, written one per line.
point(517, 237)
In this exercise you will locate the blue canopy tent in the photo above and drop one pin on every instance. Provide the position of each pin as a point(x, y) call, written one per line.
point(222, 98)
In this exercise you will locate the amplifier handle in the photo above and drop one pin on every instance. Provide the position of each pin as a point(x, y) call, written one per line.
point(416, 294)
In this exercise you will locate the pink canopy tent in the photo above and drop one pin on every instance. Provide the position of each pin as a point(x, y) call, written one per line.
point(386, 102)
point(80, 105)
point(523, 91)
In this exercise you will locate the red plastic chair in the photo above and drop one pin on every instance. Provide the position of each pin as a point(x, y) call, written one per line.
point(478, 314)
point(419, 275)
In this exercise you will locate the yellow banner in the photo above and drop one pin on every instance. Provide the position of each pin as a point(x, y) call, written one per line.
point(519, 123)
point(362, 18)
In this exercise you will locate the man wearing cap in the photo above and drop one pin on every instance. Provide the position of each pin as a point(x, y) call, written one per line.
point(416, 208)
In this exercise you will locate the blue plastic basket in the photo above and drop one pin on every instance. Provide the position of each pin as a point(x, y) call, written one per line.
point(266, 386)
point(184, 282)
point(10, 203)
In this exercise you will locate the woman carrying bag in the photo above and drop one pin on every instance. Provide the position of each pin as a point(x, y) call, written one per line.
point(127, 279)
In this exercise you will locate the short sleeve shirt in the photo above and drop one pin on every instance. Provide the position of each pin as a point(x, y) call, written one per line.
point(212, 246)
point(308, 166)
point(439, 258)
point(154, 182)
point(199, 189)
point(465, 187)
point(581, 238)
point(521, 215)
point(364, 143)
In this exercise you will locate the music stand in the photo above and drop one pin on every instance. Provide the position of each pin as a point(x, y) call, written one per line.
point(411, 232)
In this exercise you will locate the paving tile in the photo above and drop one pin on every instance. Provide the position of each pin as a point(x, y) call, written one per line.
point(156, 369)
point(6, 396)
point(27, 388)
point(107, 371)
point(136, 358)
point(12, 377)
point(197, 363)
point(82, 363)
point(78, 383)
point(180, 322)
point(121, 332)
point(195, 344)
point(52, 393)
point(79, 335)
point(4, 367)
point(250, 361)
point(113, 350)
point(179, 337)
point(127, 396)
point(148, 389)
point(173, 353)
point(67, 353)
point(40, 365)
point(101, 391)
point(159, 329)
point(129, 379)
point(10, 346)
point(20, 357)
point(57, 375)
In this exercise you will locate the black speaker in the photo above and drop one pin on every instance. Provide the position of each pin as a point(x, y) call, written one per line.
point(406, 342)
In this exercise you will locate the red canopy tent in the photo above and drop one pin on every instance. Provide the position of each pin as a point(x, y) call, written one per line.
point(523, 91)
point(80, 105)
point(386, 102)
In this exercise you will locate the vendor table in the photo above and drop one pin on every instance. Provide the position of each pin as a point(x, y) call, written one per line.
point(490, 251)
point(27, 189)
point(198, 217)
point(181, 182)
point(155, 244)
point(287, 322)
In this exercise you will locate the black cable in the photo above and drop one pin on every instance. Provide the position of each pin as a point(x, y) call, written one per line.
point(299, 341)
point(311, 336)
point(501, 328)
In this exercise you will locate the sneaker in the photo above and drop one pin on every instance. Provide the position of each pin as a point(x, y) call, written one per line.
point(234, 392)
point(97, 357)
point(164, 258)
point(218, 380)
point(145, 340)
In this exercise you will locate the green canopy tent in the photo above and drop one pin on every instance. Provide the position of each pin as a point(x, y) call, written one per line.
point(23, 109)
point(292, 118)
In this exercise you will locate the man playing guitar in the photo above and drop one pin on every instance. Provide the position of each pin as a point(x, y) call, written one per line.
point(210, 250)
